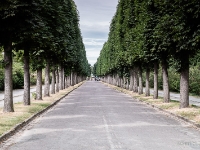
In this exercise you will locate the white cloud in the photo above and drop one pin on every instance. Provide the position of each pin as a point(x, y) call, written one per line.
point(95, 18)
point(95, 42)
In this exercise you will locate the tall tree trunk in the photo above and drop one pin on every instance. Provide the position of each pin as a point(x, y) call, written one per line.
point(63, 78)
point(57, 80)
point(47, 80)
point(53, 81)
point(127, 84)
point(72, 79)
point(39, 84)
point(135, 80)
point(68, 81)
point(8, 83)
point(155, 94)
point(147, 89)
point(140, 81)
point(131, 79)
point(124, 82)
point(166, 96)
point(184, 81)
point(26, 78)
point(60, 78)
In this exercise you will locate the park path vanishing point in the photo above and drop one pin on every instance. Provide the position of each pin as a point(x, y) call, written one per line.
point(96, 117)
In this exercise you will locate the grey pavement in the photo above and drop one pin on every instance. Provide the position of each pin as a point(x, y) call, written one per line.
point(96, 117)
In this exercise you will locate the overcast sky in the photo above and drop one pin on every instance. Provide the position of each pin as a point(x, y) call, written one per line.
point(95, 18)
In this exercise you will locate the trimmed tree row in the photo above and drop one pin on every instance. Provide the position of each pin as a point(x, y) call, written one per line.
point(48, 34)
point(145, 35)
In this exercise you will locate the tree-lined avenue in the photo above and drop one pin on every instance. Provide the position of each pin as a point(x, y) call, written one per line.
point(96, 117)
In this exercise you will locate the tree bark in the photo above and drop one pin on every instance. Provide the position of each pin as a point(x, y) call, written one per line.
point(53, 81)
point(127, 84)
point(184, 81)
point(68, 81)
point(26, 78)
point(60, 78)
point(135, 80)
point(39, 84)
point(140, 81)
point(166, 96)
point(124, 82)
point(147, 89)
point(57, 80)
point(47, 80)
point(63, 78)
point(8, 82)
point(155, 94)
point(72, 79)
point(131, 80)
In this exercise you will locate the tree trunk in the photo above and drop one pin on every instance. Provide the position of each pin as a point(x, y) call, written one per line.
point(147, 89)
point(124, 82)
point(71, 79)
point(135, 80)
point(26, 78)
point(60, 78)
point(68, 81)
point(8, 83)
point(127, 84)
point(184, 81)
point(57, 80)
point(166, 96)
point(47, 80)
point(53, 81)
point(74, 78)
point(155, 94)
point(131, 80)
point(39, 84)
point(63, 78)
point(140, 81)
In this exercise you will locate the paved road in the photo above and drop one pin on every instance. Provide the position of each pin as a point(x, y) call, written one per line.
point(96, 117)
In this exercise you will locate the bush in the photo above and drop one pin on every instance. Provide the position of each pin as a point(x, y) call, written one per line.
point(33, 79)
point(194, 86)
point(1, 80)
point(18, 79)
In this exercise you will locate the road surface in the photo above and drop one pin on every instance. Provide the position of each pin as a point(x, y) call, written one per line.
point(96, 117)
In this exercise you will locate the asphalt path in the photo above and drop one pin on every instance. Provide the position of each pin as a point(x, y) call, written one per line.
point(96, 117)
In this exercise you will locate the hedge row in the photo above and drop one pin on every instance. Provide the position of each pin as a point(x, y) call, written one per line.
point(18, 77)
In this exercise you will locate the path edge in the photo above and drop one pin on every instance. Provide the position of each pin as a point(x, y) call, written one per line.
point(21, 125)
